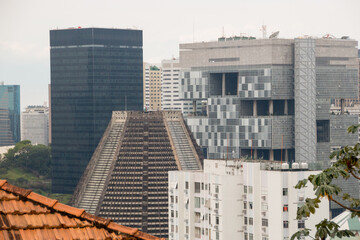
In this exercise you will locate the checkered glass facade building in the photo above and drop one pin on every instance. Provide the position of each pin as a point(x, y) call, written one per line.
point(269, 98)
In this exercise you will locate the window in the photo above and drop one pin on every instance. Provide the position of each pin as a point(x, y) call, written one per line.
point(217, 221)
point(172, 213)
point(251, 221)
point(251, 236)
point(245, 189)
point(285, 208)
point(172, 199)
point(197, 202)
point(197, 232)
point(217, 189)
point(217, 205)
point(250, 189)
point(246, 236)
point(285, 191)
point(186, 185)
point(264, 222)
point(245, 220)
point(187, 229)
point(245, 205)
point(301, 224)
point(250, 205)
point(197, 187)
point(286, 224)
point(197, 217)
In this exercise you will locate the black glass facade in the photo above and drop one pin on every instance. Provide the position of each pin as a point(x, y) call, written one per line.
point(93, 72)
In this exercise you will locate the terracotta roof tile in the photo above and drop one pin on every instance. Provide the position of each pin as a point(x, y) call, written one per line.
point(27, 215)
point(16, 190)
point(68, 209)
point(2, 182)
point(41, 199)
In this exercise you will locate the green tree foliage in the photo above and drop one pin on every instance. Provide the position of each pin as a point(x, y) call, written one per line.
point(347, 166)
point(35, 158)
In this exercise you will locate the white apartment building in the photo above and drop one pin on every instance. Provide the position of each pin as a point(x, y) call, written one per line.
point(170, 85)
point(239, 200)
point(35, 125)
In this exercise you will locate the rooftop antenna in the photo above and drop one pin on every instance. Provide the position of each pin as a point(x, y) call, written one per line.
point(274, 35)
point(263, 30)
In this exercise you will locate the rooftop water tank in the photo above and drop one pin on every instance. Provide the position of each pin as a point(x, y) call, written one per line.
point(295, 166)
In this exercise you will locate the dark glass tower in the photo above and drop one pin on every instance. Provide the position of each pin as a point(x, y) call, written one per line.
point(94, 71)
point(9, 114)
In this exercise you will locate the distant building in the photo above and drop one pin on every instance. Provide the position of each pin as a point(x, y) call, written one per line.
point(128, 172)
point(270, 98)
point(9, 114)
point(152, 87)
point(94, 71)
point(35, 124)
point(170, 85)
point(239, 200)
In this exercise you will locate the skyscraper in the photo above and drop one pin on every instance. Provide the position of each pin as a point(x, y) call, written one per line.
point(94, 71)
point(270, 98)
point(9, 114)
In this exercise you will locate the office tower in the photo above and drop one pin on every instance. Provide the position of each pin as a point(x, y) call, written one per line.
point(94, 71)
point(49, 96)
point(128, 172)
point(9, 114)
point(35, 124)
point(152, 87)
point(170, 85)
point(269, 98)
point(239, 199)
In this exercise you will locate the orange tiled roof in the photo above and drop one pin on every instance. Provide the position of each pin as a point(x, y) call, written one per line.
point(28, 215)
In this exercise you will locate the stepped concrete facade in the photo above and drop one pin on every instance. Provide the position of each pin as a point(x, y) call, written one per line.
point(128, 171)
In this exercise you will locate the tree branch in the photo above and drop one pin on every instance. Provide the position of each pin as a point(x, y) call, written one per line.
point(348, 208)
point(354, 175)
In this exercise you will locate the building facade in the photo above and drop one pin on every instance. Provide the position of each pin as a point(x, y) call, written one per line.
point(128, 172)
point(152, 87)
point(170, 85)
point(269, 98)
point(239, 200)
point(9, 114)
point(35, 124)
point(94, 71)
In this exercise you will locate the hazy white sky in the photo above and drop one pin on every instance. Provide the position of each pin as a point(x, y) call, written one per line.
point(25, 25)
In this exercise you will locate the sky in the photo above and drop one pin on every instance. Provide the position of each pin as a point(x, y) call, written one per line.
point(25, 25)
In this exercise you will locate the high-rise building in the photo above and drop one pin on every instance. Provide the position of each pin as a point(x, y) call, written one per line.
point(269, 98)
point(35, 124)
point(94, 71)
point(239, 199)
point(152, 87)
point(128, 172)
point(170, 85)
point(9, 114)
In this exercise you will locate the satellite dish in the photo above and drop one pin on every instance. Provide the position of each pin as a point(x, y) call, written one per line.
point(274, 35)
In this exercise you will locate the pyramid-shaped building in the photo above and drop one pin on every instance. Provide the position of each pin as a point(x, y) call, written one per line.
point(128, 172)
